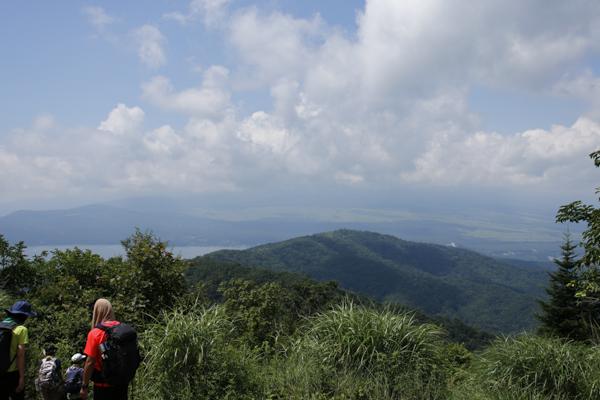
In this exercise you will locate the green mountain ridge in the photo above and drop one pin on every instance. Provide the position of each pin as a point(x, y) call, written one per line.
point(479, 290)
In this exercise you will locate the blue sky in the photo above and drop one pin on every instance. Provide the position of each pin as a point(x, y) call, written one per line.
point(497, 102)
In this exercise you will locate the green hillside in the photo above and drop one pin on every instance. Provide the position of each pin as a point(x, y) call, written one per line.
point(479, 290)
point(211, 273)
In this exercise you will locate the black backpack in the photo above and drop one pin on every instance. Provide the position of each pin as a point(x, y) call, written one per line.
point(73, 380)
point(5, 339)
point(120, 355)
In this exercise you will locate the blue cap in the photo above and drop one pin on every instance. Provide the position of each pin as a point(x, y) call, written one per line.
point(22, 307)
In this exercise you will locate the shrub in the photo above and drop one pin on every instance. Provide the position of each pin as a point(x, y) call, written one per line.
point(387, 351)
point(188, 356)
point(538, 367)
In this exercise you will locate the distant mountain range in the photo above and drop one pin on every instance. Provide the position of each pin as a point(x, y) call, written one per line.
point(193, 222)
point(101, 224)
point(479, 290)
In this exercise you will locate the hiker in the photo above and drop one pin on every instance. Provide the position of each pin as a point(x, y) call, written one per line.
point(12, 382)
point(50, 374)
point(103, 315)
point(74, 377)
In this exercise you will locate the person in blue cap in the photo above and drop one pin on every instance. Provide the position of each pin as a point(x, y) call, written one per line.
point(12, 383)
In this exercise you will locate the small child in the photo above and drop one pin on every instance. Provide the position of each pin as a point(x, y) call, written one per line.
point(50, 376)
point(74, 377)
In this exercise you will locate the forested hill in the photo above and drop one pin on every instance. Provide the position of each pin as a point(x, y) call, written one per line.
point(479, 290)
point(212, 273)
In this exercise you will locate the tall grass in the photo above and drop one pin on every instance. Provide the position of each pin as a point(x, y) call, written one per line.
point(359, 352)
point(355, 352)
point(364, 339)
point(189, 356)
point(533, 367)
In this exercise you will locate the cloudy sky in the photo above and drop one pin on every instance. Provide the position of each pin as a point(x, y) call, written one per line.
point(326, 98)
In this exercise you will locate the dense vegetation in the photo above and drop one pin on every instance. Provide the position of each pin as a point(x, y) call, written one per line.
point(291, 337)
point(212, 273)
point(285, 337)
point(479, 290)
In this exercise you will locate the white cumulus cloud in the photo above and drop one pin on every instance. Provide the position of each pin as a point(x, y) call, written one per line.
point(267, 133)
point(533, 157)
point(123, 120)
point(150, 46)
point(211, 99)
point(385, 105)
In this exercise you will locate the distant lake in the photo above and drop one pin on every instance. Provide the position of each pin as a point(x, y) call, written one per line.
point(113, 250)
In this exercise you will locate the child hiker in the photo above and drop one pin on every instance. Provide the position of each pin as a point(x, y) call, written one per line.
point(75, 377)
point(50, 375)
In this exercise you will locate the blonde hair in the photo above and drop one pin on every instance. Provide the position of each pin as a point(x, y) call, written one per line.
point(103, 312)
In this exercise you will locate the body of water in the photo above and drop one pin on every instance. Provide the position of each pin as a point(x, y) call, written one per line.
point(113, 250)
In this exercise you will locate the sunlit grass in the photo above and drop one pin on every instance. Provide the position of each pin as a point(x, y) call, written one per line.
point(189, 355)
point(355, 352)
point(532, 367)
point(360, 338)
point(360, 352)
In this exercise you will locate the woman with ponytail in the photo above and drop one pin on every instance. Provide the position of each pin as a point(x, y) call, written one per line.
point(103, 315)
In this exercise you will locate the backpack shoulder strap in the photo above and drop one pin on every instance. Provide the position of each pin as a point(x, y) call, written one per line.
point(47, 360)
point(103, 327)
point(8, 325)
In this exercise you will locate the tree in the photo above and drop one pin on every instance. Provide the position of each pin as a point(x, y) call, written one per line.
point(62, 288)
point(589, 281)
point(262, 313)
point(562, 315)
point(17, 273)
point(257, 311)
point(152, 272)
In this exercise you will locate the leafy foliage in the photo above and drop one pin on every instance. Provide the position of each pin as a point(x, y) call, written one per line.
point(18, 273)
point(459, 333)
point(263, 313)
point(151, 275)
point(589, 284)
point(63, 288)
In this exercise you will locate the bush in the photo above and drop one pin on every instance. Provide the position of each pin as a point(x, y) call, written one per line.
point(188, 356)
point(366, 351)
point(537, 367)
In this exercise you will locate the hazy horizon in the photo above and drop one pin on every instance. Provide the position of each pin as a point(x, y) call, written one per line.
point(443, 107)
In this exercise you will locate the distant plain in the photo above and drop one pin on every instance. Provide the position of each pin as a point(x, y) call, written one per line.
point(192, 223)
